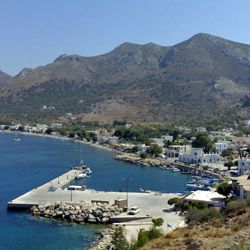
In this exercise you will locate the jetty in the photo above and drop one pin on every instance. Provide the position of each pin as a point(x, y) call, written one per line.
point(152, 205)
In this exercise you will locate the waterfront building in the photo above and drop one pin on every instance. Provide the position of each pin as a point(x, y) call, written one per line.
point(241, 186)
point(197, 156)
point(243, 166)
point(176, 150)
point(209, 197)
point(219, 147)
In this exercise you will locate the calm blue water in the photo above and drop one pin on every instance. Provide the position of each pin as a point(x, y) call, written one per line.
point(36, 160)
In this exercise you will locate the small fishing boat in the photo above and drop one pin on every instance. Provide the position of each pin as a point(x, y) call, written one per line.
point(17, 139)
point(175, 169)
point(145, 191)
point(88, 171)
point(196, 186)
point(81, 176)
point(76, 187)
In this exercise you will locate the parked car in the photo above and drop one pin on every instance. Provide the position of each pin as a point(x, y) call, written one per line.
point(134, 210)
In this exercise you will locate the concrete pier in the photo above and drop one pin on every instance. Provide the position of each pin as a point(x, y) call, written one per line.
point(151, 204)
point(40, 195)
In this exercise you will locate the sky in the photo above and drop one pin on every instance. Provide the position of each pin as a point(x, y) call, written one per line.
point(36, 32)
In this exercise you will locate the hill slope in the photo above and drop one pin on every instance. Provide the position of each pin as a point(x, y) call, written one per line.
point(203, 80)
point(3, 78)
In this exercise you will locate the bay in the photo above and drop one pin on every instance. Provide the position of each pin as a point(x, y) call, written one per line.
point(35, 160)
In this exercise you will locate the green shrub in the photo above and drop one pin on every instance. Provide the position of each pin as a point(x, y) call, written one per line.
point(248, 201)
point(224, 188)
point(237, 206)
point(157, 222)
point(120, 240)
point(174, 201)
point(195, 215)
point(198, 204)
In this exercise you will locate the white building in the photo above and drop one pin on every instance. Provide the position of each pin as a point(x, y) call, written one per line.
point(167, 138)
point(197, 156)
point(209, 197)
point(241, 186)
point(157, 141)
point(221, 146)
point(41, 127)
point(243, 166)
point(176, 150)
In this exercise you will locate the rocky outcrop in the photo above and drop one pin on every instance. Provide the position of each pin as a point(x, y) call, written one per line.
point(148, 162)
point(79, 212)
point(105, 242)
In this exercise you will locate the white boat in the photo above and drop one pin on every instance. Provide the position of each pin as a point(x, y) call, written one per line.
point(88, 171)
point(76, 187)
point(175, 169)
point(145, 191)
point(82, 175)
point(195, 186)
point(17, 139)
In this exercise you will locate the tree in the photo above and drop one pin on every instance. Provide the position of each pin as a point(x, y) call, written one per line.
point(202, 141)
point(120, 240)
point(49, 131)
point(154, 150)
point(157, 222)
point(224, 188)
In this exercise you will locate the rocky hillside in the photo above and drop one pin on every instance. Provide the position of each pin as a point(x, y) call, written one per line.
point(4, 78)
point(204, 80)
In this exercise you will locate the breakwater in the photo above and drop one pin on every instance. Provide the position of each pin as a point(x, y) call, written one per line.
point(79, 212)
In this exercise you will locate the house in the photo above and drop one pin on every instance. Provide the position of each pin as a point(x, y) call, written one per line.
point(200, 129)
point(197, 156)
point(209, 197)
point(158, 141)
point(241, 186)
point(142, 148)
point(176, 150)
point(41, 127)
point(243, 166)
point(169, 138)
point(219, 147)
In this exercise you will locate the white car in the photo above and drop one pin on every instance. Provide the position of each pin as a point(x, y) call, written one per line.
point(134, 210)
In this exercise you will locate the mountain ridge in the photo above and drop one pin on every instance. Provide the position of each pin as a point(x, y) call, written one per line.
point(205, 79)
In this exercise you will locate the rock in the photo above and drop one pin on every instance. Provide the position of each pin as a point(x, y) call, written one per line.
point(105, 220)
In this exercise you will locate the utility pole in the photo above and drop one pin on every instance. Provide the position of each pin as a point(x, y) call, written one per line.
point(127, 182)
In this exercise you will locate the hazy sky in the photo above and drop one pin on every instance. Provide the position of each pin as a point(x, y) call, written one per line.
point(35, 32)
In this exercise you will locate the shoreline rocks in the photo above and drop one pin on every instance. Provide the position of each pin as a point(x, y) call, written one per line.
point(148, 162)
point(105, 241)
point(78, 212)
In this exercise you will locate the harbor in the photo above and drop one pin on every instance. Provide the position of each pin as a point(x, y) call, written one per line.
point(28, 179)
point(152, 204)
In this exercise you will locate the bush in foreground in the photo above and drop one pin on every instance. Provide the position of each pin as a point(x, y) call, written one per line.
point(195, 215)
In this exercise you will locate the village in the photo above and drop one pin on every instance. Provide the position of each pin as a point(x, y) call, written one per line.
point(223, 153)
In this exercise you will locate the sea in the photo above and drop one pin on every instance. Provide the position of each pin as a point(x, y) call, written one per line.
point(35, 160)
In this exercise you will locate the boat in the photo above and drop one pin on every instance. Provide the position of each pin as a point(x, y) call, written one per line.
point(82, 175)
point(196, 186)
point(175, 169)
point(76, 187)
point(88, 171)
point(145, 191)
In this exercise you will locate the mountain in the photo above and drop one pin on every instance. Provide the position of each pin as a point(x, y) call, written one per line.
point(4, 77)
point(203, 80)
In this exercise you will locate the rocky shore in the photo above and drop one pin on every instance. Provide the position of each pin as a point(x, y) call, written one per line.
point(79, 212)
point(105, 241)
point(148, 162)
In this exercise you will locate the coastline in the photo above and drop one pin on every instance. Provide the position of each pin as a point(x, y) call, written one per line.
point(63, 138)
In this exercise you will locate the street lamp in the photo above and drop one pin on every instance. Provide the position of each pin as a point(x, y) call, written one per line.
point(127, 181)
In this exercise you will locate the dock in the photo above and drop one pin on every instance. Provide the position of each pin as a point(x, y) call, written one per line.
point(152, 205)
point(44, 193)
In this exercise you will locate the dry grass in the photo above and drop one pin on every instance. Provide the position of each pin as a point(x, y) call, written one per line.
point(232, 234)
